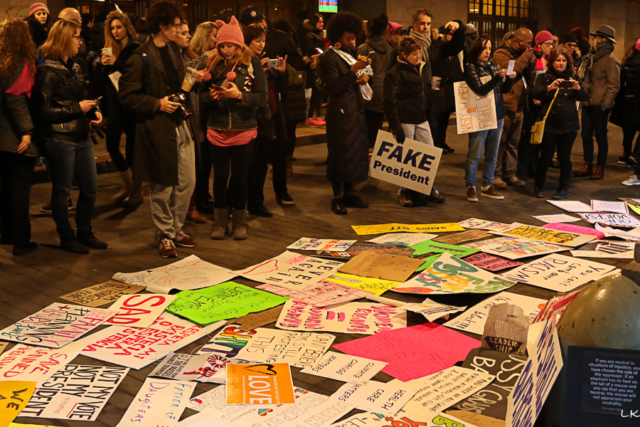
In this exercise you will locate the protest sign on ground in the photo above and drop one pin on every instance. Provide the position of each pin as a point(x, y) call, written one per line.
point(611, 219)
point(555, 306)
point(260, 384)
point(374, 396)
point(491, 262)
point(538, 233)
point(310, 244)
point(515, 247)
point(482, 224)
point(187, 367)
point(573, 206)
point(367, 247)
point(605, 249)
point(97, 295)
point(574, 229)
point(139, 310)
point(386, 267)
point(632, 235)
point(261, 318)
point(431, 310)
point(363, 230)
point(327, 292)
point(343, 367)
point(430, 251)
point(474, 113)
point(402, 239)
point(606, 206)
point(15, 395)
point(467, 236)
point(556, 218)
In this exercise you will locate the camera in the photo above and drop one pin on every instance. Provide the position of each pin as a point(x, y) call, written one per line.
point(566, 84)
point(183, 110)
point(537, 54)
point(273, 63)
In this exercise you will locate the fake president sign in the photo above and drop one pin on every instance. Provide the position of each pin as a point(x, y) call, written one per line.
point(411, 165)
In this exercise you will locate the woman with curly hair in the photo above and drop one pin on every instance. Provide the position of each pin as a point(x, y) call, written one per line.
point(120, 37)
point(17, 154)
point(347, 140)
point(39, 21)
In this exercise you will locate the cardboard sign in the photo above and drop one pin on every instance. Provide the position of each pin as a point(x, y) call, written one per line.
point(573, 206)
point(402, 239)
point(97, 295)
point(556, 306)
point(482, 224)
point(56, 325)
point(342, 367)
point(376, 248)
point(387, 267)
point(75, 392)
point(186, 274)
point(354, 317)
point(431, 310)
point(467, 236)
point(411, 164)
point(613, 220)
point(474, 113)
point(451, 275)
point(363, 230)
point(606, 249)
point(374, 396)
point(605, 206)
point(139, 310)
point(292, 271)
point(413, 352)
point(404, 419)
point(475, 419)
point(475, 318)
point(158, 403)
point(222, 302)
point(255, 320)
point(136, 348)
point(14, 397)
point(264, 384)
point(491, 262)
point(515, 248)
point(326, 292)
point(546, 235)
point(626, 235)
point(556, 218)
point(309, 244)
point(558, 272)
point(574, 229)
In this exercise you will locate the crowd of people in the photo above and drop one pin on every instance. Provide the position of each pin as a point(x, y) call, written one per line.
point(230, 97)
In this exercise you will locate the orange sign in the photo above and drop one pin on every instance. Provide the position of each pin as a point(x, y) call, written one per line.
point(259, 384)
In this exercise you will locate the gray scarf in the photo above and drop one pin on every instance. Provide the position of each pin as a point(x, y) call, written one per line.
point(586, 65)
point(425, 43)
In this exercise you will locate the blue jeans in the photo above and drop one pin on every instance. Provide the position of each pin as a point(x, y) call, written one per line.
point(490, 141)
point(67, 159)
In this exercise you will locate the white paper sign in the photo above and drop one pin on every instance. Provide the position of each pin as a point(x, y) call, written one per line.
point(474, 113)
point(403, 239)
point(511, 66)
point(411, 164)
point(613, 207)
point(558, 272)
point(474, 319)
point(515, 247)
point(481, 224)
point(187, 274)
point(187, 367)
point(574, 206)
point(606, 249)
point(343, 367)
point(309, 244)
point(139, 310)
point(633, 235)
point(201, 419)
point(611, 219)
point(159, 403)
point(75, 392)
point(403, 419)
point(374, 396)
point(432, 310)
point(556, 218)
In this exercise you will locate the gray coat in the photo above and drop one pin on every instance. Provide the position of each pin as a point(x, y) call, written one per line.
point(381, 61)
point(602, 82)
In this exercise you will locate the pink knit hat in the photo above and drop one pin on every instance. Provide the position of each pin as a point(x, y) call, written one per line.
point(394, 28)
point(638, 45)
point(230, 33)
point(543, 36)
point(38, 6)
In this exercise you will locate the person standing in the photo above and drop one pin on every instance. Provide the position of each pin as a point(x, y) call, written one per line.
point(472, 35)
point(313, 46)
point(581, 40)
point(65, 121)
point(39, 21)
point(569, 43)
point(628, 101)
point(17, 154)
point(600, 75)
point(165, 149)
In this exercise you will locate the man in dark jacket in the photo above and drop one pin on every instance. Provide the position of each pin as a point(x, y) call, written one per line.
point(164, 149)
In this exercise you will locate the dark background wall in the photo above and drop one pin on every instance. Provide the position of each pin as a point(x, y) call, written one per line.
point(366, 9)
point(568, 14)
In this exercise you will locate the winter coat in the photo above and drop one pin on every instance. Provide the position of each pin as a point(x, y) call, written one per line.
point(630, 76)
point(516, 99)
point(381, 60)
point(142, 85)
point(447, 59)
point(406, 91)
point(312, 39)
point(39, 32)
point(473, 73)
point(118, 66)
point(199, 117)
point(602, 82)
point(15, 119)
point(563, 116)
point(56, 95)
point(347, 141)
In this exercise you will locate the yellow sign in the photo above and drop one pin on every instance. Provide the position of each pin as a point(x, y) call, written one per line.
point(14, 396)
point(369, 284)
point(259, 384)
point(547, 235)
point(363, 230)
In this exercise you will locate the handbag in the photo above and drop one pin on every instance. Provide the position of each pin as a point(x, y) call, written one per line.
point(537, 130)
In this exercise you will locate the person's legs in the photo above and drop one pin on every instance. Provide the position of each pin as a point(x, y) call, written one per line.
point(291, 136)
point(61, 158)
point(87, 178)
point(182, 193)
point(564, 147)
point(511, 148)
point(409, 130)
point(240, 158)
point(587, 133)
point(600, 123)
point(547, 149)
point(16, 185)
point(337, 189)
point(221, 169)
point(629, 127)
point(476, 144)
point(509, 119)
point(130, 135)
point(315, 103)
point(423, 133)
point(375, 120)
point(279, 158)
point(491, 145)
point(7, 170)
point(257, 172)
point(113, 134)
point(161, 214)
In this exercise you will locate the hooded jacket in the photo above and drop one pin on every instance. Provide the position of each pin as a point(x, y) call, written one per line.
point(406, 94)
point(381, 60)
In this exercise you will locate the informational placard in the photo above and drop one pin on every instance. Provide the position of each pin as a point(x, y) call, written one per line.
point(159, 402)
point(607, 206)
point(432, 310)
point(402, 239)
point(56, 325)
point(474, 319)
point(374, 396)
point(556, 218)
point(612, 220)
point(327, 292)
point(139, 310)
point(573, 206)
point(543, 234)
point(15, 395)
point(387, 267)
point(411, 164)
point(467, 236)
point(310, 244)
point(491, 262)
point(354, 317)
point(364, 230)
point(264, 384)
point(187, 274)
point(482, 224)
point(558, 272)
point(75, 392)
point(515, 247)
point(343, 367)
point(606, 249)
point(574, 229)
point(474, 113)
point(104, 293)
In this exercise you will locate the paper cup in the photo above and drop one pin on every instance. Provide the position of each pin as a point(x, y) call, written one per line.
point(107, 50)
point(189, 80)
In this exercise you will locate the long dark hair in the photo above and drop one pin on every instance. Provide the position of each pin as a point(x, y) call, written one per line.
point(477, 47)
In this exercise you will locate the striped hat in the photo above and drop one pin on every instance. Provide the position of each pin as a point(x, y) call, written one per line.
point(38, 6)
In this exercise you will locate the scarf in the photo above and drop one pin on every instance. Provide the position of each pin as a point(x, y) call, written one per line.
point(425, 43)
point(586, 65)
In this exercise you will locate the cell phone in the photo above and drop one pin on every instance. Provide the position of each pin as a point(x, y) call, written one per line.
point(319, 50)
point(216, 87)
point(273, 63)
point(566, 84)
point(97, 99)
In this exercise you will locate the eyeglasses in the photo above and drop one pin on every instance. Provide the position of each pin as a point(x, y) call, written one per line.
point(571, 45)
point(77, 38)
point(548, 44)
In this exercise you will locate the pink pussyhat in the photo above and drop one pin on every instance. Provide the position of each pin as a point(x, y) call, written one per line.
point(230, 33)
point(638, 45)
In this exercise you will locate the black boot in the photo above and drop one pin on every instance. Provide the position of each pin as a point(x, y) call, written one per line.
point(69, 243)
point(435, 196)
point(537, 192)
point(561, 193)
point(88, 239)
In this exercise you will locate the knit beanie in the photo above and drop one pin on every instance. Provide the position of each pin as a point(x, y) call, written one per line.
point(543, 36)
point(230, 33)
point(394, 28)
point(38, 6)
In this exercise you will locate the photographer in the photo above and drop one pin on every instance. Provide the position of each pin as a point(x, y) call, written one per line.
point(164, 153)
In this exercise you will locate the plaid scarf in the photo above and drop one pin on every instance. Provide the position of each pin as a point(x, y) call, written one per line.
point(425, 43)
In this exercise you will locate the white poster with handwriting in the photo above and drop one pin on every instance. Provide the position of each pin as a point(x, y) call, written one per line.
point(432, 310)
point(139, 310)
point(343, 367)
point(310, 244)
point(474, 113)
point(374, 396)
point(403, 419)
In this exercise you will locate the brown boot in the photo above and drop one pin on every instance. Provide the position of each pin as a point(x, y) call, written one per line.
point(587, 170)
point(289, 166)
point(598, 173)
point(193, 214)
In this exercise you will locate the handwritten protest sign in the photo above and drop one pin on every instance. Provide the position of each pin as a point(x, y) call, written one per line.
point(491, 262)
point(451, 275)
point(310, 244)
point(14, 396)
point(381, 398)
point(430, 251)
point(606, 249)
point(187, 367)
point(402, 239)
point(387, 267)
point(431, 310)
point(56, 325)
point(538, 233)
point(558, 272)
point(574, 229)
point(354, 317)
point(139, 310)
point(222, 302)
point(467, 236)
point(376, 248)
point(482, 224)
point(342, 367)
point(573, 206)
point(186, 274)
point(363, 230)
point(97, 295)
point(75, 392)
point(411, 164)
point(474, 113)
point(515, 247)
point(555, 306)
point(606, 206)
point(556, 218)
point(327, 292)
point(265, 384)
point(613, 220)
point(413, 352)
point(404, 419)
point(136, 347)
point(632, 235)
point(28, 363)
point(158, 403)
point(474, 319)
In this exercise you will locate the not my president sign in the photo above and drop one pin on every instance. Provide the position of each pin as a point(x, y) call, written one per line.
point(411, 165)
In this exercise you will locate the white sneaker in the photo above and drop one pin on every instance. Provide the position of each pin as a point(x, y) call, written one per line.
point(633, 180)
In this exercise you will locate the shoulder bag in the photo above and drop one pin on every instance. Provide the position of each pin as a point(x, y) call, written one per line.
point(537, 130)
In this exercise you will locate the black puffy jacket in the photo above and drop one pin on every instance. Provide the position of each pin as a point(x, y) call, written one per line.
point(473, 73)
point(57, 93)
point(406, 89)
point(630, 75)
point(563, 117)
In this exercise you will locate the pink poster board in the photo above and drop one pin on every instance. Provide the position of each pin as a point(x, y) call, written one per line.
point(574, 229)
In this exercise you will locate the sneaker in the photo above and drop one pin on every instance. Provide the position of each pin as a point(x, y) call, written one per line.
point(320, 121)
point(261, 211)
point(472, 195)
point(446, 149)
point(310, 122)
point(514, 181)
point(47, 208)
point(404, 198)
point(184, 240)
point(631, 162)
point(167, 249)
point(91, 241)
point(633, 180)
point(338, 207)
point(622, 160)
point(491, 193)
point(353, 201)
point(499, 183)
point(285, 199)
